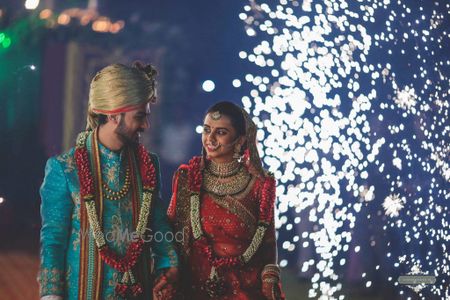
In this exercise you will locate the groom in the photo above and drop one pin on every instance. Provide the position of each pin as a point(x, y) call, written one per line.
point(104, 187)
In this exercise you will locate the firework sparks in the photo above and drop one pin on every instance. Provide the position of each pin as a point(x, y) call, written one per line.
point(393, 204)
point(416, 269)
point(328, 83)
point(406, 98)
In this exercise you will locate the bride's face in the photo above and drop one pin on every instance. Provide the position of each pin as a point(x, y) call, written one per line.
point(219, 138)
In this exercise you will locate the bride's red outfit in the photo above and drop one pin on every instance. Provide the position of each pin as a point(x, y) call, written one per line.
point(236, 238)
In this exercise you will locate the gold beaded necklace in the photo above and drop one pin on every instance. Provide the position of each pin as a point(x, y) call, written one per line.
point(223, 170)
point(121, 193)
point(226, 179)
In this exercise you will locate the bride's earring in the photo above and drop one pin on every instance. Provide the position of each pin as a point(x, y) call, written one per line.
point(237, 151)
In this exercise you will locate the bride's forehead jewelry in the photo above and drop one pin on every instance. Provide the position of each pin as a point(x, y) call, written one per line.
point(216, 115)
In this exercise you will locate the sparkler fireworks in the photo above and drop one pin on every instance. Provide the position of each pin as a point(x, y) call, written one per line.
point(351, 102)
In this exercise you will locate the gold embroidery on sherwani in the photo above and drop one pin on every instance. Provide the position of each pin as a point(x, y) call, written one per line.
point(75, 198)
point(50, 281)
point(112, 283)
point(126, 205)
point(111, 175)
point(69, 162)
point(68, 275)
point(76, 240)
point(110, 155)
point(117, 233)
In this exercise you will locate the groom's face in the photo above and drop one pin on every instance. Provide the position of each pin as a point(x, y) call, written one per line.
point(132, 123)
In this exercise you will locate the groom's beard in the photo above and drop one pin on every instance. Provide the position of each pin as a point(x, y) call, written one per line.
point(127, 136)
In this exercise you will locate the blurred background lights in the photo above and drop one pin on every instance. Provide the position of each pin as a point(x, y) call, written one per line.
point(2, 200)
point(349, 133)
point(45, 14)
point(31, 4)
point(5, 40)
point(199, 129)
point(208, 86)
point(63, 19)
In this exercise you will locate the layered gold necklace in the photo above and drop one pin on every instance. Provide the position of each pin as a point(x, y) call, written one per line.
point(225, 179)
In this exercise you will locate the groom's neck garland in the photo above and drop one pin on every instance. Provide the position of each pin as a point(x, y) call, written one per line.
point(128, 285)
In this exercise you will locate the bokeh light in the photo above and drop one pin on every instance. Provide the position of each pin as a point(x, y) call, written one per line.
point(199, 129)
point(351, 103)
point(31, 4)
point(5, 40)
point(208, 86)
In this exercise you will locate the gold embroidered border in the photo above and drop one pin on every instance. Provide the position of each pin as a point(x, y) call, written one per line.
point(238, 209)
point(51, 281)
point(247, 190)
point(195, 211)
point(183, 208)
point(254, 245)
point(144, 213)
point(233, 205)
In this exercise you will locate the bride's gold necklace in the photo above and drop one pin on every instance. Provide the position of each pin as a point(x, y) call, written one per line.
point(223, 170)
point(226, 178)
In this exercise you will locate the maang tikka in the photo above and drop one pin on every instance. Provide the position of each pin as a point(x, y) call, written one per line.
point(216, 115)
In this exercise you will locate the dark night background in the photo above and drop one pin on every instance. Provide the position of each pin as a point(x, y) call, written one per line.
point(45, 68)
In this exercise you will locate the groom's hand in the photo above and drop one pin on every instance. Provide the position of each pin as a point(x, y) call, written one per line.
point(165, 284)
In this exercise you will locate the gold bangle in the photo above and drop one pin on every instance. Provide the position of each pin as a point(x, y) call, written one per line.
point(270, 274)
point(272, 268)
point(271, 280)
